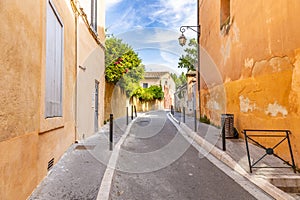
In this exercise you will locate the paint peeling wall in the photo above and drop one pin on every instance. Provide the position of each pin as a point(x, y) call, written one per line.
point(257, 58)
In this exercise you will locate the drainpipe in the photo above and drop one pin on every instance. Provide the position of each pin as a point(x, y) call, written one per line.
point(198, 51)
point(74, 4)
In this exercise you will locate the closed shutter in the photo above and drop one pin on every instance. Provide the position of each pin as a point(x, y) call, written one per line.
point(54, 63)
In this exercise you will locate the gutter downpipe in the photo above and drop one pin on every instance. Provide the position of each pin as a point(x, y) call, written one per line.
point(74, 6)
point(198, 51)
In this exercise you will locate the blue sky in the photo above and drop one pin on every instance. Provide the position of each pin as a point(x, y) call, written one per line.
point(151, 27)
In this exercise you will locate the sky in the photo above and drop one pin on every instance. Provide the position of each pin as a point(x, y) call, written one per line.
point(151, 28)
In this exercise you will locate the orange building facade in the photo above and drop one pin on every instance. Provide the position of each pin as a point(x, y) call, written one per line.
point(250, 65)
point(47, 53)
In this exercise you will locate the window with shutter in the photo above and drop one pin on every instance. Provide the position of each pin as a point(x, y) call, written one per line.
point(54, 63)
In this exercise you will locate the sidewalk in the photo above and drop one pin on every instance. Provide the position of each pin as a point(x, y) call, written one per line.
point(236, 156)
point(79, 172)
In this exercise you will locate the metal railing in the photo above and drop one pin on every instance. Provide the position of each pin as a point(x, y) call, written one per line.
point(269, 150)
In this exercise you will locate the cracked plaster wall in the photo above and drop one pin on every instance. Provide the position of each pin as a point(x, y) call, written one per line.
point(259, 61)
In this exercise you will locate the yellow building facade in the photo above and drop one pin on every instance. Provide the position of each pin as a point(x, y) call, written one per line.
point(51, 54)
point(250, 65)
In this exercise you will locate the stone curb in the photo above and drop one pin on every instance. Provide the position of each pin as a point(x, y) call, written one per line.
point(105, 187)
point(226, 159)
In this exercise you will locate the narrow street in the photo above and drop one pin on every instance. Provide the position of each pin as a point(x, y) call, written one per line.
point(157, 162)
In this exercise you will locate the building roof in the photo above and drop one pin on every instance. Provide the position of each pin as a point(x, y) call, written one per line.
point(154, 75)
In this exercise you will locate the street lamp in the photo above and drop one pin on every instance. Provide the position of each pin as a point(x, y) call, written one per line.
point(182, 38)
point(182, 42)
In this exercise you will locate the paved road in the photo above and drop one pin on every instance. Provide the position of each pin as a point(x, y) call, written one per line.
point(78, 174)
point(156, 162)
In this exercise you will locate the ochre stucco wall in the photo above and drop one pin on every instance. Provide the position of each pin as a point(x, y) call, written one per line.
point(258, 63)
point(115, 101)
point(90, 57)
point(90, 60)
point(20, 61)
point(28, 140)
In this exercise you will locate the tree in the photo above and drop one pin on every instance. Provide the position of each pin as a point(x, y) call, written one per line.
point(149, 94)
point(122, 65)
point(115, 48)
point(156, 91)
point(131, 80)
point(190, 59)
point(179, 80)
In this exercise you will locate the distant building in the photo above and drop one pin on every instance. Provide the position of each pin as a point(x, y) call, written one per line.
point(180, 98)
point(52, 77)
point(164, 80)
point(185, 95)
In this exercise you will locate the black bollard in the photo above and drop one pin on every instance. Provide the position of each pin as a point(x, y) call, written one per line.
point(223, 137)
point(131, 112)
point(195, 120)
point(183, 113)
point(135, 111)
point(111, 118)
point(127, 115)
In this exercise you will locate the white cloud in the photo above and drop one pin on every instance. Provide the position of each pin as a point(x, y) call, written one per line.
point(173, 12)
point(111, 3)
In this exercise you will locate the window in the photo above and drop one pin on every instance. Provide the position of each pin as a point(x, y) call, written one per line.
point(54, 63)
point(225, 14)
point(94, 15)
point(145, 85)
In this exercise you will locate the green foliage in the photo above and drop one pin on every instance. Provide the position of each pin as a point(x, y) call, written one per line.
point(130, 81)
point(148, 94)
point(115, 49)
point(156, 91)
point(123, 66)
point(190, 59)
point(179, 80)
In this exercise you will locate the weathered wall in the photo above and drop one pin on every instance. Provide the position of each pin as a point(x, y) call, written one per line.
point(90, 58)
point(20, 71)
point(115, 101)
point(28, 140)
point(20, 59)
point(258, 61)
point(148, 106)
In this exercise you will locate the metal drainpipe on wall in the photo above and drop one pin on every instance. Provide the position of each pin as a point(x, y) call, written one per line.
point(198, 52)
point(76, 63)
